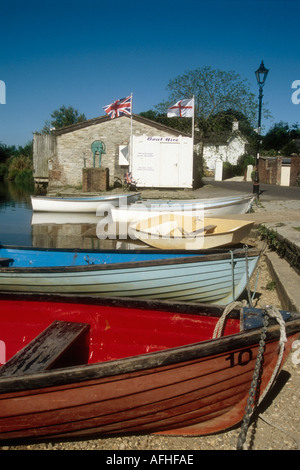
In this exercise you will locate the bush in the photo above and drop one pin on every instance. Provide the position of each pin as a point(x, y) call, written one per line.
point(20, 167)
point(3, 171)
point(229, 170)
point(24, 177)
point(243, 162)
point(198, 170)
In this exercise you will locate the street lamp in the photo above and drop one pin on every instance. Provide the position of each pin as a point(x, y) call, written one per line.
point(261, 75)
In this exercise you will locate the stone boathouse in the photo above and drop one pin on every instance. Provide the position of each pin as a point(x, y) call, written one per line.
point(61, 157)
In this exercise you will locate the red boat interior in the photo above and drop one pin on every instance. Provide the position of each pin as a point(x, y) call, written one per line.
point(114, 332)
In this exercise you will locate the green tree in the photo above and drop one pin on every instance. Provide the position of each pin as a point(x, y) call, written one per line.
point(62, 117)
point(222, 122)
point(183, 125)
point(5, 152)
point(26, 150)
point(19, 164)
point(215, 93)
point(280, 138)
point(16, 162)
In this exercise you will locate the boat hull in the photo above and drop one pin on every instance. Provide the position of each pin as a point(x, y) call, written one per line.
point(81, 205)
point(192, 389)
point(215, 207)
point(169, 231)
point(214, 278)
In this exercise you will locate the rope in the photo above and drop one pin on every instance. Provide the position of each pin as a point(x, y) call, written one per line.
point(275, 313)
point(253, 387)
point(220, 323)
point(251, 405)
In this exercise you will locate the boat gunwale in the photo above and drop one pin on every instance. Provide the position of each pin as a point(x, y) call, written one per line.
point(199, 200)
point(234, 230)
point(215, 255)
point(169, 205)
point(84, 198)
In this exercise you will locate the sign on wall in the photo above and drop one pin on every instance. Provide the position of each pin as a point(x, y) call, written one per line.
point(162, 161)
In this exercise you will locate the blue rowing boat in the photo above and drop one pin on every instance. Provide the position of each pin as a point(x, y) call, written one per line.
point(211, 277)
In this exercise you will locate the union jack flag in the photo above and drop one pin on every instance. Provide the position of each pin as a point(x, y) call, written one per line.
point(119, 107)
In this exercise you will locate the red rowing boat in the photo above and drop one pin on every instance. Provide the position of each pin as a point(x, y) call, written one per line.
point(80, 367)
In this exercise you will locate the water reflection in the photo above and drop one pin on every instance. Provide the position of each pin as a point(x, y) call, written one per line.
point(19, 225)
point(15, 215)
point(57, 230)
point(12, 194)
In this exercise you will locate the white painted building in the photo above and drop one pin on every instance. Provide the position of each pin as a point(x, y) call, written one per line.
point(228, 149)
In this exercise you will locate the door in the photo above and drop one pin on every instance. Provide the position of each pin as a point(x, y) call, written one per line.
point(285, 176)
point(169, 165)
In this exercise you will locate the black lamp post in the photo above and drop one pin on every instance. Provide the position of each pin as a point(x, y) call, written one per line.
point(261, 75)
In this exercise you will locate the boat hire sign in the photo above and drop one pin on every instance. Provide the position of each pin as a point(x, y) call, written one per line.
point(163, 139)
point(162, 161)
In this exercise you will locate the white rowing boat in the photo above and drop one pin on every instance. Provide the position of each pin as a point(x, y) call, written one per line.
point(81, 204)
point(214, 207)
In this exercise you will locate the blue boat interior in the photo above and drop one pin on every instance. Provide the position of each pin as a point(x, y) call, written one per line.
point(39, 258)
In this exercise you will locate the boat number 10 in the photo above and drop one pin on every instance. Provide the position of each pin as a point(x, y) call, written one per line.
point(239, 358)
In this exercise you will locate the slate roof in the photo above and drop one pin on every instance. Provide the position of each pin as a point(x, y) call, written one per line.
point(102, 119)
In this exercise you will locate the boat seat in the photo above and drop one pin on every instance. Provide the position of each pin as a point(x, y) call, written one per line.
point(62, 344)
point(5, 262)
point(205, 230)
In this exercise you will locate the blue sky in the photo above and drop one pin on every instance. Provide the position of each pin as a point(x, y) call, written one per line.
point(89, 53)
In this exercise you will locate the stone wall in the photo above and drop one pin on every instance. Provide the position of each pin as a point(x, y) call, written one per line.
point(270, 170)
point(74, 149)
point(295, 170)
point(95, 179)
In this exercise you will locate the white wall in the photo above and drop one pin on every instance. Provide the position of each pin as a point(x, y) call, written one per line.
point(229, 152)
point(162, 161)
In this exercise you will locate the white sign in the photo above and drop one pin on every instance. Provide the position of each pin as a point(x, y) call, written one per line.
point(162, 162)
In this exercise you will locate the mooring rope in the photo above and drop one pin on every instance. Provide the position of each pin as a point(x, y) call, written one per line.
point(220, 323)
point(251, 405)
point(275, 313)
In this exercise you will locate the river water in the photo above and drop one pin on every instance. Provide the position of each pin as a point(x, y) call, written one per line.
point(15, 215)
point(19, 225)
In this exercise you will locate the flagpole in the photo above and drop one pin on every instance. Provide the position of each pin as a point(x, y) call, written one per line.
point(193, 119)
point(193, 126)
point(131, 135)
